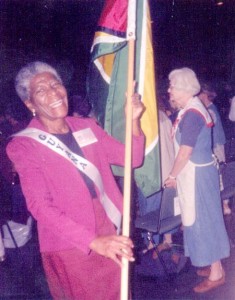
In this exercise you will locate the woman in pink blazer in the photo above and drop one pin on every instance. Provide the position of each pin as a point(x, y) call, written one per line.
point(64, 168)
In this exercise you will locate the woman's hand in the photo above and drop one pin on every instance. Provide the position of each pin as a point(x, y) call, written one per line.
point(137, 110)
point(137, 107)
point(170, 182)
point(114, 247)
point(181, 160)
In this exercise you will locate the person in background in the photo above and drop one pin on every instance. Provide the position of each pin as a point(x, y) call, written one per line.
point(64, 168)
point(18, 212)
point(80, 106)
point(207, 96)
point(196, 177)
point(151, 203)
point(9, 124)
point(167, 156)
point(174, 111)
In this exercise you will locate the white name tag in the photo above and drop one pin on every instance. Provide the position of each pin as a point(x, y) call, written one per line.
point(177, 210)
point(85, 137)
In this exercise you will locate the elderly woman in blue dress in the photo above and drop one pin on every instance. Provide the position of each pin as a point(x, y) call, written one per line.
point(196, 177)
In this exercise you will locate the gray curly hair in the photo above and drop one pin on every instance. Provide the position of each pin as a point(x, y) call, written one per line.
point(25, 75)
point(185, 79)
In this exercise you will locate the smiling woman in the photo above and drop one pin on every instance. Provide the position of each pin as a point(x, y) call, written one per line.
point(64, 168)
point(41, 89)
point(48, 97)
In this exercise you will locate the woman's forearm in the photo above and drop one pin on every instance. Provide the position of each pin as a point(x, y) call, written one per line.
point(181, 160)
point(136, 128)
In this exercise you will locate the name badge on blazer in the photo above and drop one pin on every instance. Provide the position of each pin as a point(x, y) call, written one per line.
point(85, 137)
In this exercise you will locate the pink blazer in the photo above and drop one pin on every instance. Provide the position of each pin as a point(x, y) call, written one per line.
point(55, 192)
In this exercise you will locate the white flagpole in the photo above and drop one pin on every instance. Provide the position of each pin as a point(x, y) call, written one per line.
point(128, 143)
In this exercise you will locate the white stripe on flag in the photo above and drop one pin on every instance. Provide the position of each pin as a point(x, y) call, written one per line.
point(105, 76)
point(131, 20)
point(143, 50)
point(151, 146)
point(107, 39)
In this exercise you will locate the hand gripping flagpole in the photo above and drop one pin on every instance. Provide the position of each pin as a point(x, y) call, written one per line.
point(128, 143)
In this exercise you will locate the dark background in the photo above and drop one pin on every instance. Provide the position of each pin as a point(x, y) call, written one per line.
point(194, 33)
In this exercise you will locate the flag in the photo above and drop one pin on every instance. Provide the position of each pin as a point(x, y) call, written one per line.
point(107, 82)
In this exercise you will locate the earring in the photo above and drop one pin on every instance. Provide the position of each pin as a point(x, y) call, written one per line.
point(34, 112)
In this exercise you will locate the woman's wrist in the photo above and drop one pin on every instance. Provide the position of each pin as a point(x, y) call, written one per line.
point(171, 177)
point(136, 127)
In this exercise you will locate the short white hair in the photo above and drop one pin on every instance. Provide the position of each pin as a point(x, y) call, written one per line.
point(27, 73)
point(185, 79)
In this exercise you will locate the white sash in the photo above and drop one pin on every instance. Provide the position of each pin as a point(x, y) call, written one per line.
point(81, 164)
